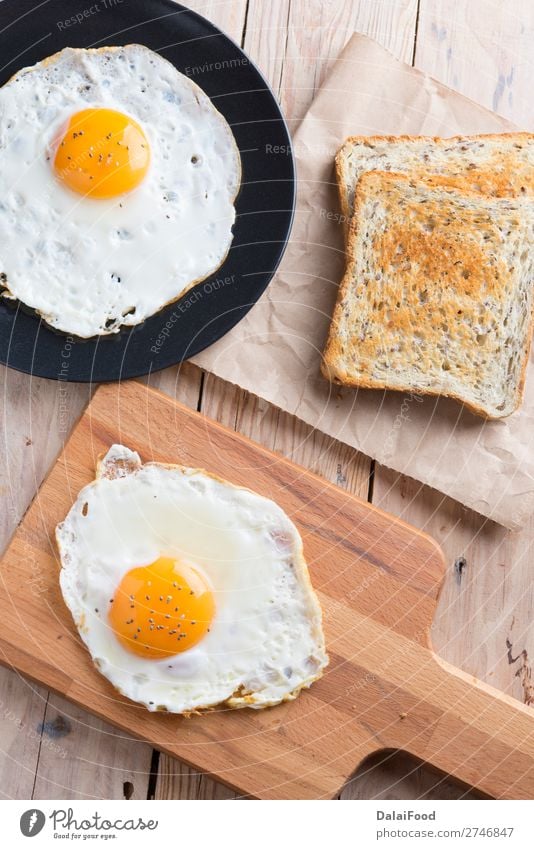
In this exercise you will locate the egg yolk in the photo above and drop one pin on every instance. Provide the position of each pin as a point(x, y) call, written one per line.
point(101, 153)
point(161, 609)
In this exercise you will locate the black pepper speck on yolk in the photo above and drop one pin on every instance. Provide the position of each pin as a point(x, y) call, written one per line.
point(101, 153)
point(161, 609)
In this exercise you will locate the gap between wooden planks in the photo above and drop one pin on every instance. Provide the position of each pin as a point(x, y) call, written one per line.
point(53, 750)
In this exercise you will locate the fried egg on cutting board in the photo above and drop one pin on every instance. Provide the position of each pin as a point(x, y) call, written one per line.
point(189, 592)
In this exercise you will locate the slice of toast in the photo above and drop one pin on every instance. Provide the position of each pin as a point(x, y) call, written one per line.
point(437, 297)
point(500, 165)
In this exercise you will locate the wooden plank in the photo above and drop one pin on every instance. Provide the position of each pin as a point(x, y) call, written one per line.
point(298, 442)
point(228, 15)
point(37, 416)
point(82, 757)
point(293, 44)
point(316, 34)
point(275, 36)
point(291, 438)
point(482, 49)
point(274, 429)
point(22, 710)
point(175, 780)
point(182, 382)
point(91, 754)
point(484, 621)
point(72, 774)
point(397, 775)
point(75, 774)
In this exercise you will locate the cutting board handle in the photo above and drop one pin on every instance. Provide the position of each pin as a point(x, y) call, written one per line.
point(478, 734)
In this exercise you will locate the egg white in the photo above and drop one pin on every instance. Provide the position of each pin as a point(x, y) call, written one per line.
point(89, 266)
point(265, 642)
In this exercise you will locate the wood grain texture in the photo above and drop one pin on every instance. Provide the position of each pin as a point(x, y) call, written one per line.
point(228, 15)
point(482, 49)
point(90, 759)
point(37, 416)
point(22, 710)
point(378, 581)
point(295, 41)
point(298, 442)
point(484, 620)
point(70, 776)
point(488, 592)
point(174, 779)
point(397, 775)
point(293, 44)
point(87, 758)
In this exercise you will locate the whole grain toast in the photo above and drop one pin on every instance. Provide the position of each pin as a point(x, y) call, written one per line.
point(437, 297)
point(499, 165)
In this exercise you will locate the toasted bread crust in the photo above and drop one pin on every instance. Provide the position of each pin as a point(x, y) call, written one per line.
point(429, 254)
point(508, 181)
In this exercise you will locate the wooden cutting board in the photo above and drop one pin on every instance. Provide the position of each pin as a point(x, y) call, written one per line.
point(378, 581)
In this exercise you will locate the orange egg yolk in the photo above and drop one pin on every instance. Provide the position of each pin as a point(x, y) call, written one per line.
point(161, 609)
point(101, 153)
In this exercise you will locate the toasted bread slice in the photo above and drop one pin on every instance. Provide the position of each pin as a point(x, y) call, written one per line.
point(438, 293)
point(499, 165)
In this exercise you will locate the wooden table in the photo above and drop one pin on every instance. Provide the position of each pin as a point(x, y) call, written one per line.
point(50, 750)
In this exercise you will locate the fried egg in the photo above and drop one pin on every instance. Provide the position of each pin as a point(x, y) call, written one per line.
point(117, 185)
point(189, 592)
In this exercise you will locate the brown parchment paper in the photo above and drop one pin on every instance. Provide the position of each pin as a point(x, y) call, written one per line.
point(275, 351)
